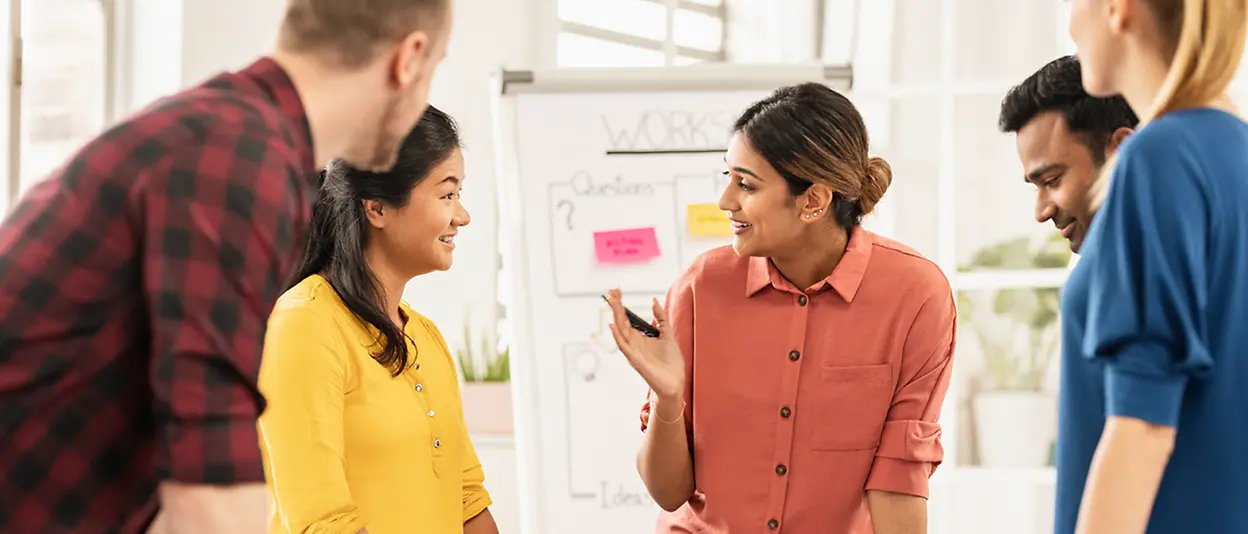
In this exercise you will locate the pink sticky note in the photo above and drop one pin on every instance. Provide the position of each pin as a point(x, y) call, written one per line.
point(624, 246)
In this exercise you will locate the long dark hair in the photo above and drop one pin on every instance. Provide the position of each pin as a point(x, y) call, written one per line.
point(339, 228)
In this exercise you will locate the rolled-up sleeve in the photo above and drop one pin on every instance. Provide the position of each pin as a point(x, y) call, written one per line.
point(218, 216)
point(910, 447)
point(1149, 284)
point(476, 497)
point(306, 379)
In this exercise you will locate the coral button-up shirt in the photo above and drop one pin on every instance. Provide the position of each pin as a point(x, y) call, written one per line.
point(798, 402)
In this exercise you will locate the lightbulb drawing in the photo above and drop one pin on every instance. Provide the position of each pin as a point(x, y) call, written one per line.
point(585, 363)
point(603, 336)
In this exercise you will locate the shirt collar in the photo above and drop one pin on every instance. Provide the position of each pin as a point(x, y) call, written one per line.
point(280, 89)
point(845, 278)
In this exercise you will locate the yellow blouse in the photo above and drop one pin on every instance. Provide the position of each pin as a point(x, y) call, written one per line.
point(346, 445)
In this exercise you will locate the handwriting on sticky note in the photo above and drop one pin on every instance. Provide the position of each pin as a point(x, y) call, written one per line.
point(704, 220)
point(625, 246)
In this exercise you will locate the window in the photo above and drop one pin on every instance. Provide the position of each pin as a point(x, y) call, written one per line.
point(63, 94)
point(940, 70)
point(639, 33)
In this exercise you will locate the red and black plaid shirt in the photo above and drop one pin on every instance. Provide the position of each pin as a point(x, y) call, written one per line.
point(135, 285)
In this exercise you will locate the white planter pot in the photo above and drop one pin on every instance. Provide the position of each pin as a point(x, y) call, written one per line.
point(487, 408)
point(1015, 428)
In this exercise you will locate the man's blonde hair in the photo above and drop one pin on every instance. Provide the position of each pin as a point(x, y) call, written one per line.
point(350, 32)
point(1208, 41)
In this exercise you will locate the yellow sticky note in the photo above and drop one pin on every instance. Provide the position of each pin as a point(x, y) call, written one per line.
point(707, 220)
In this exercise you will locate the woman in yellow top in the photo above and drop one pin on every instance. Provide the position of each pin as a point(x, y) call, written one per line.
point(364, 428)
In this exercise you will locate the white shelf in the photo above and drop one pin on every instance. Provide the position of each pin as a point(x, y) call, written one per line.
point(937, 89)
point(1009, 279)
point(493, 441)
point(1040, 476)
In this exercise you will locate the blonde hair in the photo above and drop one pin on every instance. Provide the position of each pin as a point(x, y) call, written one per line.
point(350, 32)
point(1208, 37)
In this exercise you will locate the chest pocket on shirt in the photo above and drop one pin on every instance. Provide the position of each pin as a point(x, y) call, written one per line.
point(851, 404)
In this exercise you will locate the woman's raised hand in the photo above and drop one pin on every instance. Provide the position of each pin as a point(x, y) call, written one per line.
point(657, 360)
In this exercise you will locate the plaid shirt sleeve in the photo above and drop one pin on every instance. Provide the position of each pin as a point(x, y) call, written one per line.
point(220, 221)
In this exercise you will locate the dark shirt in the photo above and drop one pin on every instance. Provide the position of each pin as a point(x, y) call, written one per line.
point(135, 284)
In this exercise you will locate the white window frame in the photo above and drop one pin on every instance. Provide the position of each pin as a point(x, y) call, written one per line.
point(552, 26)
point(11, 49)
point(12, 53)
point(875, 90)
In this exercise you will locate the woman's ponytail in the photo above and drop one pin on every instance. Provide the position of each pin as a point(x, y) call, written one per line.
point(319, 248)
point(1209, 42)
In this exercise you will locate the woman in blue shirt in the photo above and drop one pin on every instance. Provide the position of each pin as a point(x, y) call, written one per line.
point(1153, 432)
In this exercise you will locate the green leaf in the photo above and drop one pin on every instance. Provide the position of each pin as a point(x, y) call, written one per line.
point(497, 364)
point(1012, 254)
point(1030, 312)
point(1054, 253)
point(1047, 306)
point(467, 367)
point(499, 369)
point(966, 307)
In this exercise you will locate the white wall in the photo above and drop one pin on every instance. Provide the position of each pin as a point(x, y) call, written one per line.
point(487, 35)
point(165, 45)
point(770, 31)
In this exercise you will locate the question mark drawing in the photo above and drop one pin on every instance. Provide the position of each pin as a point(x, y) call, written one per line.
point(571, 208)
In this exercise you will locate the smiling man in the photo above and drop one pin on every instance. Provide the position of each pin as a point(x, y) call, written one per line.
point(1064, 137)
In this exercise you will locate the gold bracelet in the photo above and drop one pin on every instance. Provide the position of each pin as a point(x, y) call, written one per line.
point(672, 422)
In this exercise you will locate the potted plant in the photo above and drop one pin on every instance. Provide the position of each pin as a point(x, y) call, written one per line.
point(486, 389)
point(1017, 332)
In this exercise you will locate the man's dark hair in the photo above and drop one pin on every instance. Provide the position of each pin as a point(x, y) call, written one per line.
point(1058, 86)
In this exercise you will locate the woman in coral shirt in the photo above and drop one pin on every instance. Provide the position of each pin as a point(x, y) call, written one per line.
point(799, 374)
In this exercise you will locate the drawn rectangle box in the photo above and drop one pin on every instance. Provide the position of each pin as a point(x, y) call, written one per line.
point(703, 188)
point(604, 397)
point(575, 217)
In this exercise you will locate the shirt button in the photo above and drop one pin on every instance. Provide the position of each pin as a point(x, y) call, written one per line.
point(772, 524)
point(430, 413)
point(437, 443)
point(781, 470)
point(785, 412)
point(801, 300)
point(419, 387)
point(794, 355)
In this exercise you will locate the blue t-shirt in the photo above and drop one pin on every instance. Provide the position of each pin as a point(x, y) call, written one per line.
point(1155, 321)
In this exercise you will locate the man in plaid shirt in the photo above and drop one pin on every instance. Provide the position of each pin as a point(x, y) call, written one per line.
point(136, 282)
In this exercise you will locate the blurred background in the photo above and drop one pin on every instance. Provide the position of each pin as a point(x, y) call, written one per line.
point(928, 75)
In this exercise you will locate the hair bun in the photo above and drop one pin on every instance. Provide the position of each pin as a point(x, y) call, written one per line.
point(878, 177)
